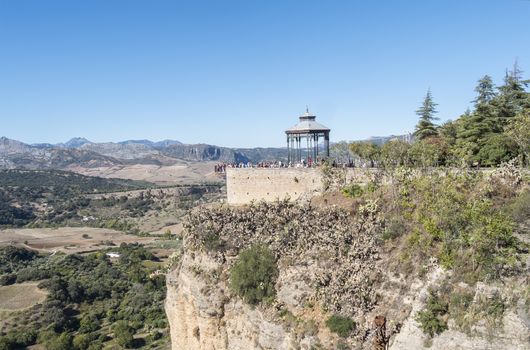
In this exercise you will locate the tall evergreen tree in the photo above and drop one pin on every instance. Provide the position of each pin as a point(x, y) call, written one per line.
point(513, 98)
point(476, 126)
point(485, 91)
point(426, 127)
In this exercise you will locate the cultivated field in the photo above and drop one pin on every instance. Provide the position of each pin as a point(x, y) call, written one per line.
point(184, 173)
point(68, 239)
point(20, 296)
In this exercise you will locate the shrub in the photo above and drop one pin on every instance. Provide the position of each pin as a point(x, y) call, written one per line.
point(61, 342)
point(520, 208)
point(431, 317)
point(341, 325)
point(395, 228)
point(123, 334)
point(254, 274)
point(213, 242)
point(7, 279)
point(352, 191)
point(82, 341)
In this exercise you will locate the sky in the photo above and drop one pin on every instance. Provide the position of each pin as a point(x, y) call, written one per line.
point(237, 73)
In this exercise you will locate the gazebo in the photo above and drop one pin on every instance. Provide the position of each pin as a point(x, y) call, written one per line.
point(310, 132)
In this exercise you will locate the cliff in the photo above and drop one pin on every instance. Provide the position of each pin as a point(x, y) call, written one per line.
point(333, 263)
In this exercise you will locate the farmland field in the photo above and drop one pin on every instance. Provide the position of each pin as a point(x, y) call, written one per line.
point(68, 240)
point(20, 296)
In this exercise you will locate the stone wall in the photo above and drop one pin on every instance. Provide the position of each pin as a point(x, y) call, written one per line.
point(245, 185)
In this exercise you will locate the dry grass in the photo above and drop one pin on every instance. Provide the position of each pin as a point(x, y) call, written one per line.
point(20, 296)
point(67, 239)
point(181, 173)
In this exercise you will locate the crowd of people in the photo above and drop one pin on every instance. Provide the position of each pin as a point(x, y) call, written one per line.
point(304, 163)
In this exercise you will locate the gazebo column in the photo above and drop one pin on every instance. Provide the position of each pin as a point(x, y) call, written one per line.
point(326, 143)
point(315, 148)
point(288, 151)
point(297, 148)
point(293, 149)
point(307, 149)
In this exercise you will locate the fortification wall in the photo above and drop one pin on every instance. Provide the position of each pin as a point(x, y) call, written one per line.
point(244, 185)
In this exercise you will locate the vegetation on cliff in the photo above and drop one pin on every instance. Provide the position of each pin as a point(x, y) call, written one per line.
point(254, 274)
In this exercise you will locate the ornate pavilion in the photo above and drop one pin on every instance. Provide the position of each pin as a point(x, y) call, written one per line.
point(303, 140)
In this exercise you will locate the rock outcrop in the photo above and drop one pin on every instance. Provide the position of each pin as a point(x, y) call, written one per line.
point(329, 264)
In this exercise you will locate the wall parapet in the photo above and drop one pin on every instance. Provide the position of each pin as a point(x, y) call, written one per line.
point(244, 185)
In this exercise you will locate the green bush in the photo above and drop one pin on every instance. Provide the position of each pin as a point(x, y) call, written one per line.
point(213, 242)
point(341, 325)
point(352, 191)
point(431, 318)
point(520, 208)
point(61, 342)
point(123, 334)
point(254, 274)
point(82, 341)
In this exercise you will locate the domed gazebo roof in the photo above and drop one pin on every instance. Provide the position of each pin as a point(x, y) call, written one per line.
point(307, 124)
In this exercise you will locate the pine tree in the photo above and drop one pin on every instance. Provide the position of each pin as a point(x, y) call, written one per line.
point(479, 124)
point(513, 98)
point(426, 127)
point(485, 91)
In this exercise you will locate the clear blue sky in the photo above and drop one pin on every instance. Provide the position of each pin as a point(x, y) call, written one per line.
point(237, 73)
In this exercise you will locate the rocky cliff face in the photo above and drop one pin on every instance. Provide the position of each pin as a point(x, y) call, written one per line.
point(315, 270)
point(203, 314)
point(330, 263)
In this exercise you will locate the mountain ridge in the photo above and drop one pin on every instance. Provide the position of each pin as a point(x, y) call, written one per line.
point(82, 152)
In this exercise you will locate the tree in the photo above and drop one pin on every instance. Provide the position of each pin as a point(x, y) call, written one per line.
point(485, 91)
point(497, 149)
point(123, 333)
point(366, 150)
point(513, 98)
point(254, 274)
point(395, 153)
point(428, 152)
point(341, 151)
point(426, 127)
point(519, 131)
point(61, 342)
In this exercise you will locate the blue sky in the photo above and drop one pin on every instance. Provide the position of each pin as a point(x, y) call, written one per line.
point(237, 73)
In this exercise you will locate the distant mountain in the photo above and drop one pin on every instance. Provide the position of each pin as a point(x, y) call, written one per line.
point(43, 145)
point(138, 142)
point(380, 140)
point(76, 142)
point(8, 146)
point(202, 152)
point(121, 150)
point(166, 143)
point(256, 155)
point(157, 145)
point(16, 154)
point(80, 152)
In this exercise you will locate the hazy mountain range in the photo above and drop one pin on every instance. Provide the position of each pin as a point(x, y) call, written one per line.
point(82, 152)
